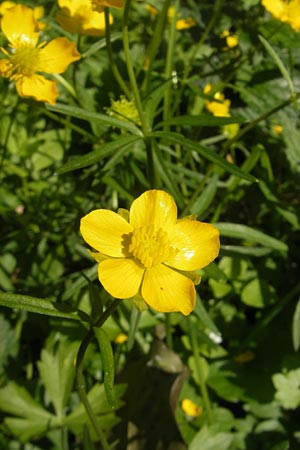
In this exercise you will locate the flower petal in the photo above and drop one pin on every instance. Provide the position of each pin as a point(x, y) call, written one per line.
point(56, 56)
point(19, 26)
point(197, 244)
point(104, 230)
point(121, 278)
point(37, 87)
point(153, 207)
point(166, 290)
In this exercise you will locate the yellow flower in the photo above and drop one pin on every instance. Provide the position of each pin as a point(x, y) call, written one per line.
point(181, 24)
point(26, 58)
point(121, 338)
point(231, 39)
point(220, 107)
point(190, 408)
point(277, 129)
point(152, 255)
point(38, 12)
point(77, 16)
point(99, 5)
point(285, 10)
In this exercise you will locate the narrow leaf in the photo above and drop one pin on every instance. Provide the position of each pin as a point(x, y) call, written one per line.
point(206, 153)
point(93, 157)
point(41, 306)
point(89, 116)
point(108, 365)
point(202, 120)
point(249, 234)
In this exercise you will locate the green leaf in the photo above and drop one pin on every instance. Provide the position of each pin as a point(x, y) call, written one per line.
point(108, 364)
point(258, 293)
point(296, 327)
point(205, 152)
point(202, 120)
point(41, 306)
point(57, 371)
point(89, 116)
point(211, 439)
point(279, 63)
point(97, 155)
point(238, 231)
point(206, 197)
point(287, 387)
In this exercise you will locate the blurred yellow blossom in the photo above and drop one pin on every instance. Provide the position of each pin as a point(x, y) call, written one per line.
point(181, 23)
point(277, 129)
point(26, 58)
point(152, 255)
point(285, 10)
point(190, 408)
point(38, 12)
point(121, 338)
point(244, 357)
point(231, 39)
point(219, 107)
point(77, 16)
point(99, 5)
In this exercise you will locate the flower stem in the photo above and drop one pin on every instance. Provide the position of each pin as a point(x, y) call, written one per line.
point(113, 67)
point(79, 373)
point(131, 74)
point(199, 371)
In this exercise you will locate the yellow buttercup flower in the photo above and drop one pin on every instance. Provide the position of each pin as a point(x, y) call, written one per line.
point(99, 5)
point(152, 255)
point(77, 16)
point(121, 338)
point(277, 129)
point(231, 39)
point(219, 107)
point(285, 10)
point(26, 58)
point(38, 12)
point(181, 24)
point(190, 408)
point(124, 109)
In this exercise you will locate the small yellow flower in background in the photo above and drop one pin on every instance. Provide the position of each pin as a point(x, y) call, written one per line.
point(121, 338)
point(26, 58)
point(153, 255)
point(231, 39)
point(190, 408)
point(77, 16)
point(285, 10)
point(38, 12)
point(124, 109)
point(220, 107)
point(181, 24)
point(99, 5)
point(277, 129)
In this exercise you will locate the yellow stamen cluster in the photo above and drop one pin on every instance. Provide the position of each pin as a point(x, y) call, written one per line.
point(150, 246)
point(24, 61)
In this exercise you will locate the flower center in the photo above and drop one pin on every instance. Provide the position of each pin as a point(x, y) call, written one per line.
point(24, 61)
point(150, 245)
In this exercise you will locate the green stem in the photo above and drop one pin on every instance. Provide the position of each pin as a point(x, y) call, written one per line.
point(13, 116)
point(199, 371)
point(156, 42)
point(79, 373)
point(169, 65)
point(131, 74)
point(113, 67)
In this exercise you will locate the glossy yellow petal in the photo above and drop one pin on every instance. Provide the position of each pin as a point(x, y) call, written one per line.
point(104, 230)
point(37, 87)
point(56, 56)
point(4, 6)
point(121, 278)
point(99, 5)
point(197, 245)
point(19, 26)
point(95, 26)
point(166, 290)
point(153, 207)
